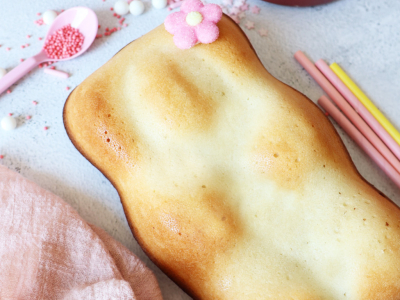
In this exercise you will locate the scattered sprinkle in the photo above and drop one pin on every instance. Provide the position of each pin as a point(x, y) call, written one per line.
point(8, 91)
point(28, 36)
point(249, 25)
point(244, 7)
point(21, 59)
point(1, 156)
point(234, 10)
point(8, 49)
point(10, 114)
point(28, 117)
point(67, 88)
point(241, 15)
point(40, 38)
point(45, 127)
point(255, 10)
point(263, 32)
point(34, 102)
point(39, 22)
point(38, 14)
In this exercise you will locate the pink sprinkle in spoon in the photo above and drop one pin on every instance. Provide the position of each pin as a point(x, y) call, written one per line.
point(81, 18)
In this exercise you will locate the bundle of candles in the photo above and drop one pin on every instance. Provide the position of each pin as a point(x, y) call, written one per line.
point(359, 118)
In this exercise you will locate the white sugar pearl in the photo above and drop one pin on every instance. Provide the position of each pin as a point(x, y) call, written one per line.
point(136, 7)
point(2, 72)
point(8, 123)
point(121, 7)
point(49, 16)
point(159, 3)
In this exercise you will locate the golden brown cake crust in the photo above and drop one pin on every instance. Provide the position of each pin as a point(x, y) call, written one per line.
point(233, 183)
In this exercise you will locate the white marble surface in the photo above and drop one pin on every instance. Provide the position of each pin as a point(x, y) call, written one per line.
point(363, 36)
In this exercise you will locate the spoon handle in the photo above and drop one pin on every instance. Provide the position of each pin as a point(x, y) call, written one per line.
point(15, 74)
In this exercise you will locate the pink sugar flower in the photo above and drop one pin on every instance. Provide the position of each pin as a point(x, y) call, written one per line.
point(195, 23)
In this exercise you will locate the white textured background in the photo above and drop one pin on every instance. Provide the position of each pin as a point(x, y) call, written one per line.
point(363, 36)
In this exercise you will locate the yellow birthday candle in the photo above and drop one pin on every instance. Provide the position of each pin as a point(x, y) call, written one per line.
point(366, 102)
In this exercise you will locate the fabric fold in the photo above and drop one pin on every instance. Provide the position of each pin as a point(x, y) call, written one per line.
point(47, 251)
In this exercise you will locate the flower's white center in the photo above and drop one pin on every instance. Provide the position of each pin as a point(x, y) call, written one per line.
point(194, 18)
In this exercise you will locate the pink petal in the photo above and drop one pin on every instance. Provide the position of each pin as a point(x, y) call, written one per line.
point(185, 38)
point(191, 5)
point(211, 13)
point(175, 21)
point(207, 32)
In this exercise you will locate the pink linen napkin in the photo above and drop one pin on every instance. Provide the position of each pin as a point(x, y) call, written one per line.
point(47, 251)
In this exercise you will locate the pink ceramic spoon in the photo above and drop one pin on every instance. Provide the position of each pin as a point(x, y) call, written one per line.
point(81, 18)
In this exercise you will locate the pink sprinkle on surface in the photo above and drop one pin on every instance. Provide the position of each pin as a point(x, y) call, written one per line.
point(241, 15)
point(10, 114)
point(67, 88)
point(111, 8)
point(27, 45)
point(38, 14)
point(39, 22)
point(40, 39)
point(1, 156)
point(263, 32)
point(34, 103)
point(52, 67)
point(99, 26)
point(234, 10)
point(45, 127)
point(8, 91)
point(64, 43)
point(28, 117)
point(249, 25)
point(125, 25)
point(8, 49)
point(28, 36)
point(23, 46)
point(255, 10)
point(244, 7)
point(21, 60)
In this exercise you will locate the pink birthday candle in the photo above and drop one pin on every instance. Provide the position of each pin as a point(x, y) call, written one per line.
point(361, 141)
point(347, 109)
